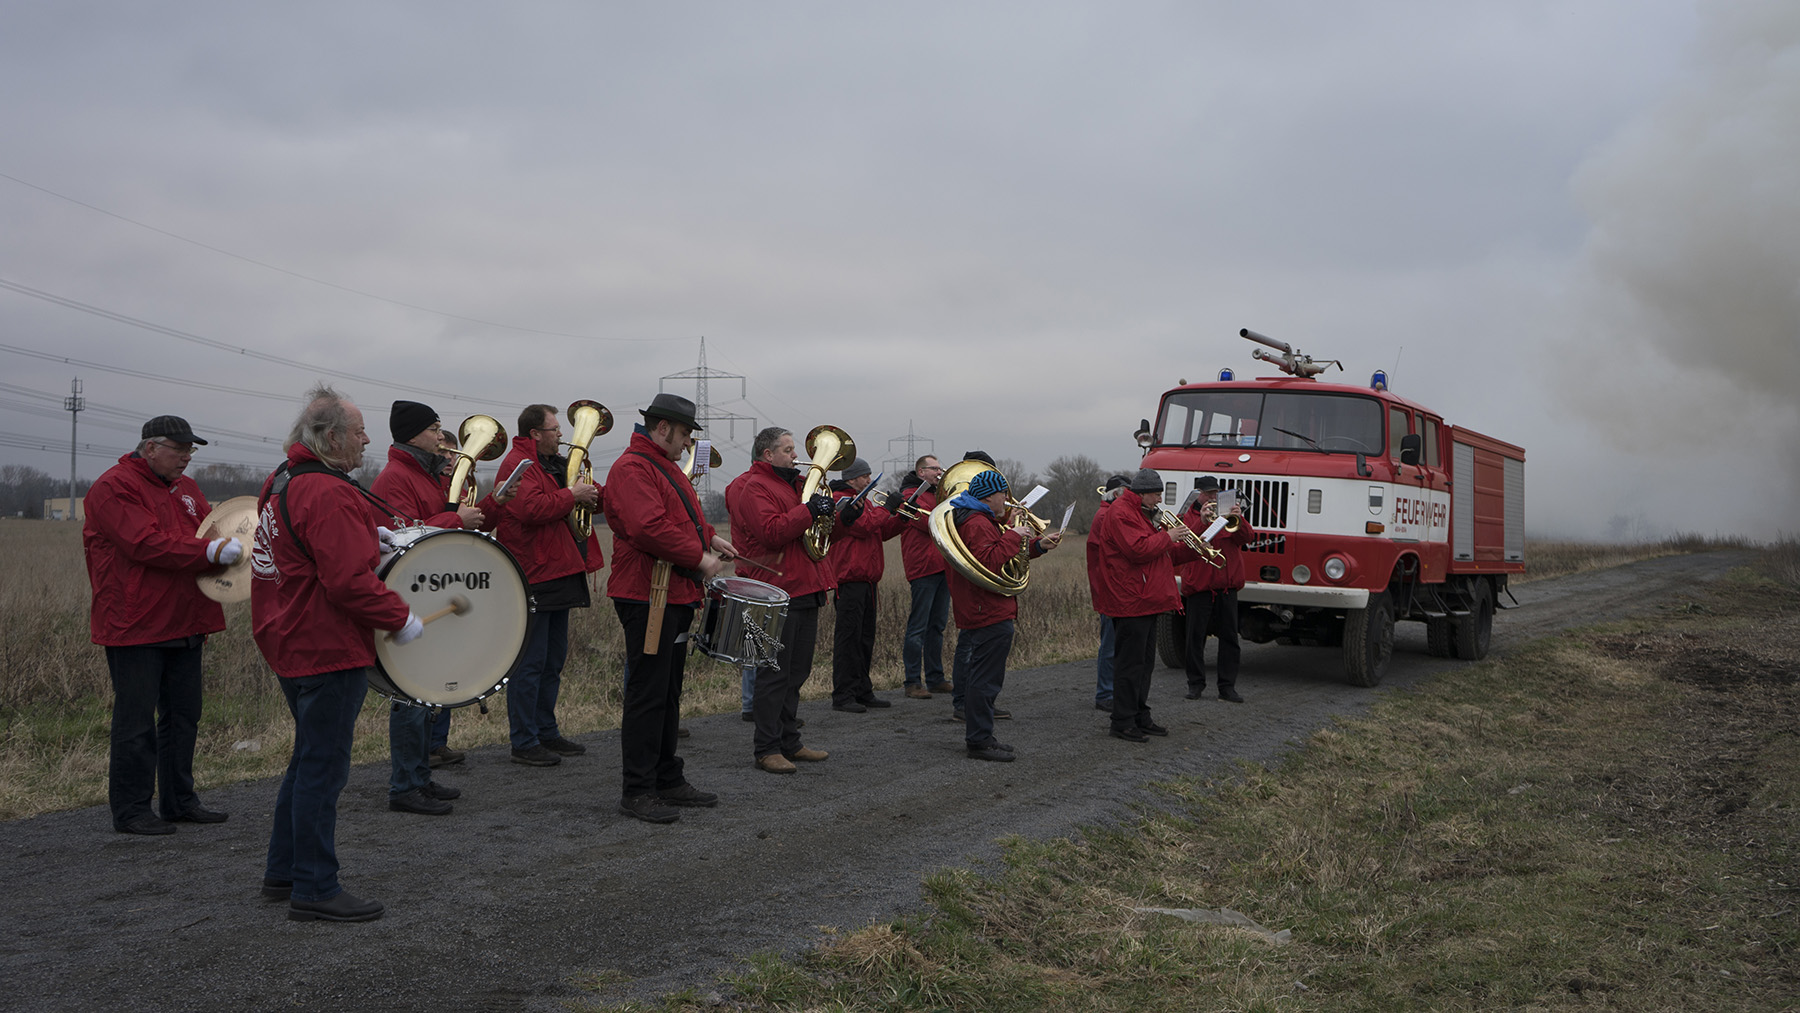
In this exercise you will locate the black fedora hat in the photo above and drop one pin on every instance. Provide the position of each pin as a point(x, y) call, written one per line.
point(673, 407)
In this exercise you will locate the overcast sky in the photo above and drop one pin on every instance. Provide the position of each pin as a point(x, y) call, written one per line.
point(1571, 226)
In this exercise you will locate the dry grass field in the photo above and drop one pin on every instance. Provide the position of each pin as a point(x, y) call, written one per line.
point(55, 696)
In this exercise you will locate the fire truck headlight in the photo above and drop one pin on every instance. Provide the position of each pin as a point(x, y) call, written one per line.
point(1302, 573)
point(1335, 568)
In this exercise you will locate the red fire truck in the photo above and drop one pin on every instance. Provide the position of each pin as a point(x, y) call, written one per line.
point(1367, 508)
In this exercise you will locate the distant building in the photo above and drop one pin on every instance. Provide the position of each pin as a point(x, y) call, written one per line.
point(58, 509)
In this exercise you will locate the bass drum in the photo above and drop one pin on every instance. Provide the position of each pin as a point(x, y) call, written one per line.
point(460, 658)
point(742, 621)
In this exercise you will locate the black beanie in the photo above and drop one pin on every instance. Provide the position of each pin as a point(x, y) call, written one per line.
point(408, 419)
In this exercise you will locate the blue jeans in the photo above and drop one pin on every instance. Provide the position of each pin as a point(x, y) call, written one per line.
point(1103, 668)
point(303, 842)
point(923, 650)
point(409, 748)
point(531, 693)
point(986, 671)
point(440, 729)
point(749, 688)
point(155, 723)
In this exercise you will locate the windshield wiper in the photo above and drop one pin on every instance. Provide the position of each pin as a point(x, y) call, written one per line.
point(1299, 436)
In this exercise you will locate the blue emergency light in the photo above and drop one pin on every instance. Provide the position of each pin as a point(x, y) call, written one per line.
point(1226, 374)
point(1379, 380)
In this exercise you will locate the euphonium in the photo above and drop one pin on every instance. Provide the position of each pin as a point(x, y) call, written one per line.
point(588, 419)
point(1166, 519)
point(1016, 572)
point(831, 449)
point(481, 438)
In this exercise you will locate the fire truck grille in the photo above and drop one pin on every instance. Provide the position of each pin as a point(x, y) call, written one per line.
point(1265, 503)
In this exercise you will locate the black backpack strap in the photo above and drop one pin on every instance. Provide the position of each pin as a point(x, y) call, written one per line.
point(699, 529)
point(285, 475)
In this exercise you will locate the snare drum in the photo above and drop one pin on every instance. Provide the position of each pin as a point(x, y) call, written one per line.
point(742, 621)
point(459, 659)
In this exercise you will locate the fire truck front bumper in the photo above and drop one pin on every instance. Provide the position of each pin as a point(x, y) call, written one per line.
point(1302, 595)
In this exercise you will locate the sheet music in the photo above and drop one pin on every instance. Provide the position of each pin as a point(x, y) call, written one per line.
point(1067, 513)
point(1038, 492)
point(702, 457)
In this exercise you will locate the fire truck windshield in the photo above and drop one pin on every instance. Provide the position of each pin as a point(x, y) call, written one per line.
point(1327, 423)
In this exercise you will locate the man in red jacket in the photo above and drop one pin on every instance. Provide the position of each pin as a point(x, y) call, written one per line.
point(315, 604)
point(922, 653)
point(857, 559)
point(767, 522)
point(412, 486)
point(535, 528)
point(143, 555)
point(660, 537)
point(1209, 594)
point(1103, 663)
point(1136, 584)
point(984, 619)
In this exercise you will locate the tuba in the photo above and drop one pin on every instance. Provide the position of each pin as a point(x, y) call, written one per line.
point(831, 449)
point(1013, 576)
point(481, 438)
point(588, 419)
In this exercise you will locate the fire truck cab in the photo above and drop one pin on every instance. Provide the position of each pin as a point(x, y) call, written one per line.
point(1368, 509)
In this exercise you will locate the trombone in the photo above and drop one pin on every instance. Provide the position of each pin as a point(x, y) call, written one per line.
point(590, 419)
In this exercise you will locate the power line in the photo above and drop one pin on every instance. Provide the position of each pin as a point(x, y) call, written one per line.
point(142, 375)
point(320, 281)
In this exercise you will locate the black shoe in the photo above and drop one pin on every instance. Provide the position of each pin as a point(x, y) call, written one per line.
point(1002, 715)
point(873, 702)
point(991, 751)
point(849, 707)
point(444, 755)
point(1103, 705)
point(1227, 693)
point(648, 808)
point(1194, 694)
point(688, 797)
point(957, 715)
point(1130, 735)
point(749, 716)
point(148, 825)
point(536, 756)
point(562, 747)
point(342, 908)
point(198, 813)
point(1152, 728)
point(940, 687)
point(441, 791)
point(1000, 745)
point(417, 801)
point(277, 889)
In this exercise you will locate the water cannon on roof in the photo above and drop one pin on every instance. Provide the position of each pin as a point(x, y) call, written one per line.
point(1290, 361)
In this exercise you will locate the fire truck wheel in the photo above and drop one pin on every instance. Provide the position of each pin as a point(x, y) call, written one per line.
point(1474, 629)
point(1171, 640)
point(1369, 641)
point(1440, 638)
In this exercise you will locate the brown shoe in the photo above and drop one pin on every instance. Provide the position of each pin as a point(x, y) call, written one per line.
point(918, 693)
point(807, 754)
point(774, 763)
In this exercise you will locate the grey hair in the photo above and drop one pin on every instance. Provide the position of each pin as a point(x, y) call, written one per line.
point(326, 415)
point(766, 440)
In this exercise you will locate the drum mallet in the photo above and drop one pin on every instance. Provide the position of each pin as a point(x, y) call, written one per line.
point(458, 604)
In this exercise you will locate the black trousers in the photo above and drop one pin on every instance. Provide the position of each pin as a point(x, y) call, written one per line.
point(1215, 612)
point(649, 727)
point(776, 705)
point(155, 722)
point(853, 642)
point(1134, 658)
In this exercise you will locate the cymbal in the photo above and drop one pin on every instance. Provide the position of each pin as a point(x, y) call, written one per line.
point(234, 518)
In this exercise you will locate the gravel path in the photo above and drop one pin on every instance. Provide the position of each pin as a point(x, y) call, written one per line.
point(534, 882)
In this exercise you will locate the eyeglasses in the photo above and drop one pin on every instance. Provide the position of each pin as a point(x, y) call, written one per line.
point(182, 449)
point(552, 429)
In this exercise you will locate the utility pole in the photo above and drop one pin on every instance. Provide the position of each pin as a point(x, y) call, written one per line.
point(895, 464)
point(73, 404)
point(702, 376)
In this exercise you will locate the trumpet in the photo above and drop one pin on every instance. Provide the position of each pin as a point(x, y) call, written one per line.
point(1166, 519)
point(590, 419)
point(831, 449)
point(481, 438)
point(909, 507)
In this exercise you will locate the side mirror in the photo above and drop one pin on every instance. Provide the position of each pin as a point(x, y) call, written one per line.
point(1410, 445)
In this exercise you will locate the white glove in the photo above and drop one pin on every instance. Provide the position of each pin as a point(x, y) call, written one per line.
point(224, 551)
point(410, 632)
point(386, 537)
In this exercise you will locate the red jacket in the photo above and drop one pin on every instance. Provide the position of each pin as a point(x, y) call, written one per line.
point(533, 525)
point(917, 551)
point(767, 520)
point(1198, 575)
point(314, 613)
point(857, 552)
point(143, 557)
point(992, 545)
point(649, 522)
point(416, 496)
point(1096, 590)
point(1135, 571)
